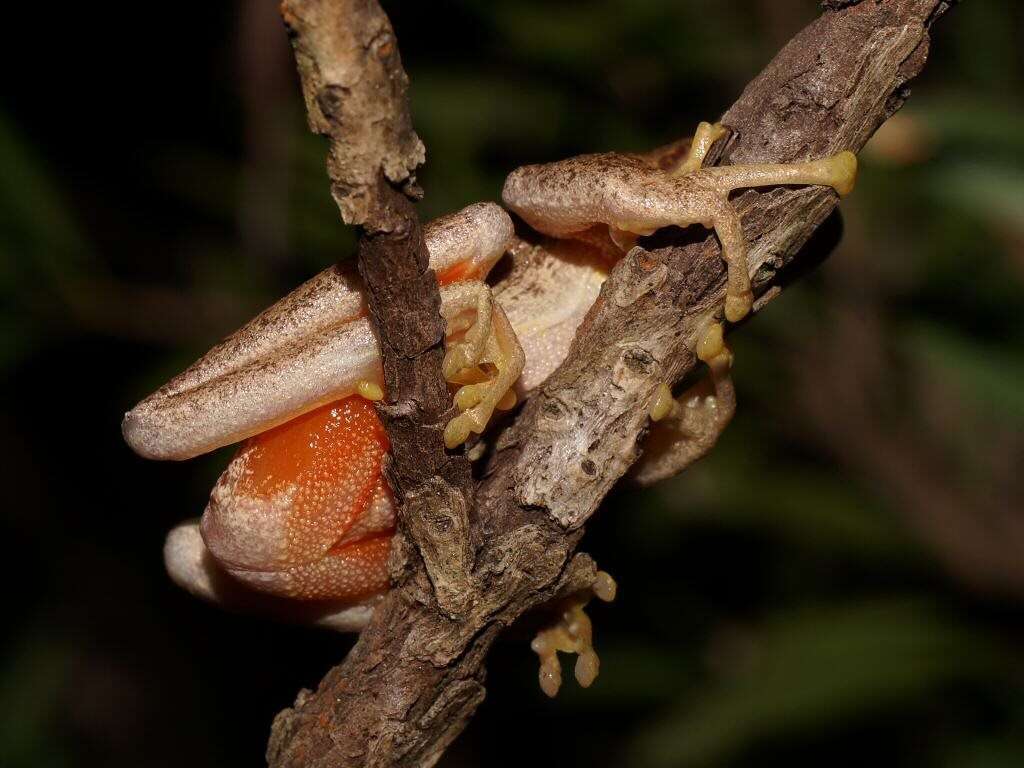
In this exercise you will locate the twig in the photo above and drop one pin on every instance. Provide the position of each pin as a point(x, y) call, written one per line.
point(415, 676)
point(355, 92)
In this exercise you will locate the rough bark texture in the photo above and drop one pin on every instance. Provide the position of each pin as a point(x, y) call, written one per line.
point(355, 92)
point(829, 89)
point(415, 676)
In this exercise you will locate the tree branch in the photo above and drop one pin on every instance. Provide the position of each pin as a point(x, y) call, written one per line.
point(415, 676)
point(355, 93)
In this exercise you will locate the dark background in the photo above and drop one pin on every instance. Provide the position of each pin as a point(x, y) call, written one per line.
point(840, 582)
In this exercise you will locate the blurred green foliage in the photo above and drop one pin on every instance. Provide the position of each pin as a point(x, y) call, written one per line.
point(840, 581)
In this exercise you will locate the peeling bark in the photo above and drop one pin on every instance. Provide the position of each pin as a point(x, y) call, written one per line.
point(355, 92)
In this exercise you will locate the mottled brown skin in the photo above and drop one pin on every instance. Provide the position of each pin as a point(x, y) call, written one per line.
point(613, 198)
point(308, 349)
point(626, 192)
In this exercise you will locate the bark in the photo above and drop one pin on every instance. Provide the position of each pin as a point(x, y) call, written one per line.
point(355, 93)
point(415, 677)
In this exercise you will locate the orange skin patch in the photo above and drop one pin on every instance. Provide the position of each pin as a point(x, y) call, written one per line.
point(303, 510)
point(332, 453)
point(353, 572)
point(464, 270)
point(314, 478)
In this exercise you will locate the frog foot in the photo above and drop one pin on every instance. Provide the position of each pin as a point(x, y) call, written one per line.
point(573, 632)
point(467, 310)
point(703, 139)
point(499, 365)
point(687, 427)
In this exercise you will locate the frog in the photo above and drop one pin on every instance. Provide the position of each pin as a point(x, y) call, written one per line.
point(300, 523)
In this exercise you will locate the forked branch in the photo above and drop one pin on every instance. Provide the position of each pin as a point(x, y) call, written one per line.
point(415, 677)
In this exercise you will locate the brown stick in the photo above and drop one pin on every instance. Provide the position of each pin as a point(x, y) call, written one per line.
point(355, 92)
point(415, 676)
